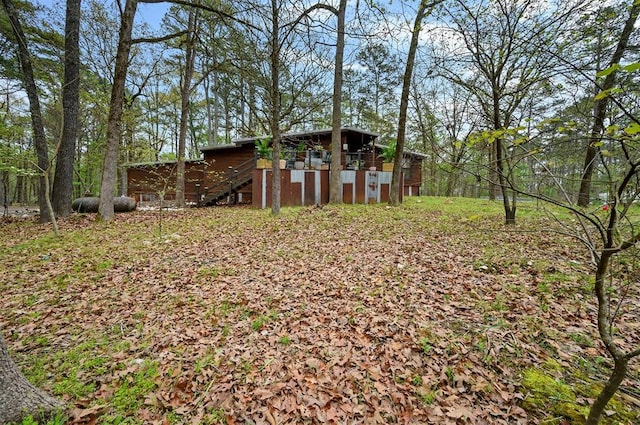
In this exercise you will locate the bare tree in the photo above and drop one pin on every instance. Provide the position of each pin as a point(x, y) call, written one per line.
point(114, 126)
point(290, 75)
point(394, 192)
point(507, 48)
point(601, 104)
point(185, 101)
point(39, 136)
point(275, 105)
point(610, 234)
point(335, 188)
point(444, 120)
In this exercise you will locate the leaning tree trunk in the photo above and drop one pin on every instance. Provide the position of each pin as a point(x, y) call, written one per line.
point(396, 190)
point(600, 108)
point(37, 126)
point(605, 326)
point(18, 397)
point(114, 122)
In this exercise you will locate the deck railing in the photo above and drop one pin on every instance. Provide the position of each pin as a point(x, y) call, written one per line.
point(235, 178)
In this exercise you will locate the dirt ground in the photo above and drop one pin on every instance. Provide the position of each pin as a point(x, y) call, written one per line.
point(20, 211)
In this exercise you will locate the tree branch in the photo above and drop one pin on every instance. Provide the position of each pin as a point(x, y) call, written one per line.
point(158, 39)
point(633, 354)
point(204, 7)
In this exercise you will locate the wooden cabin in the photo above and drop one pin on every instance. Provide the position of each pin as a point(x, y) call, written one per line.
point(233, 173)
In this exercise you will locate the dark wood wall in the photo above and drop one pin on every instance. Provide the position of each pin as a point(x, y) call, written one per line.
point(305, 191)
point(147, 182)
point(219, 163)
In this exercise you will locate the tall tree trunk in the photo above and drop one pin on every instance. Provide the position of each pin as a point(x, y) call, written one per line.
point(395, 189)
point(274, 122)
point(335, 188)
point(114, 122)
point(185, 93)
point(509, 206)
point(216, 107)
point(4, 192)
point(503, 183)
point(63, 180)
point(452, 180)
point(252, 112)
point(18, 397)
point(34, 107)
point(207, 99)
point(493, 177)
point(19, 193)
point(600, 108)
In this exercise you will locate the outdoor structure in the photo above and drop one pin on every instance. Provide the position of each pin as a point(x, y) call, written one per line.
point(240, 172)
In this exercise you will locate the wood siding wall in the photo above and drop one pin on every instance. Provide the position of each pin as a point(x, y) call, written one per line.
point(310, 187)
point(220, 162)
point(147, 182)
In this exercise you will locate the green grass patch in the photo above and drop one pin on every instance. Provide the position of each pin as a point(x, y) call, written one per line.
point(75, 369)
point(58, 419)
point(285, 340)
point(132, 390)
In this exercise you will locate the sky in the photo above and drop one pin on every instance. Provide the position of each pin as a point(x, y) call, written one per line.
point(150, 13)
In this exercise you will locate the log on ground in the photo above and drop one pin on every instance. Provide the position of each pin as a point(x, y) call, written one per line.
point(90, 204)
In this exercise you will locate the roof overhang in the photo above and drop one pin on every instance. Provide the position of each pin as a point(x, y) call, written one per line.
point(293, 136)
point(156, 163)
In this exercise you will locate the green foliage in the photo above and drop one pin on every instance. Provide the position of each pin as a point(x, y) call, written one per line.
point(285, 340)
point(632, 67)
point(388, 152)
point(425, 345)
point(260, 321)
point(428, 398)
point(167, 156)
point(514, 135)
point(216, 416)
point(263, 148)
point(58, 419)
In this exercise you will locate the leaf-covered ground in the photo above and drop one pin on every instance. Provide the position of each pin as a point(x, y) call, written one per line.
point(432, 312)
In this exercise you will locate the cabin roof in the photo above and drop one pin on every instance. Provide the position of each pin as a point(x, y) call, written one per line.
point(300, 134)
point(156, 163)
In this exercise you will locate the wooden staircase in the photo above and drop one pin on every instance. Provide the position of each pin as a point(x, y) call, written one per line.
point(237, 178)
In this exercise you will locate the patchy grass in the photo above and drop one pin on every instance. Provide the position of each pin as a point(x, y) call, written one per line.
point(432, 311)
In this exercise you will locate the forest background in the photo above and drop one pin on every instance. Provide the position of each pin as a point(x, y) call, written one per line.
point(480, 67)
point(506, 98)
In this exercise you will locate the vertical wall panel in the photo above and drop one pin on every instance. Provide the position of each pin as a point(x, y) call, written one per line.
point(309, 188)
